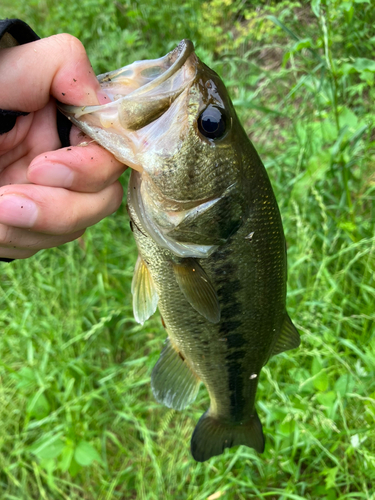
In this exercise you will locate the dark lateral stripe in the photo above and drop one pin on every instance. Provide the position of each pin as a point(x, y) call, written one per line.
point(230, 329)
point(235, 356)
point(236, 397)
point(235, 341)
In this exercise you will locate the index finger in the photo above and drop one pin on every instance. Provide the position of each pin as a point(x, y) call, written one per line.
point(57, 65)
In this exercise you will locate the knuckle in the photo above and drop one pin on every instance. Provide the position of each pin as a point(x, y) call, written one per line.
point(102, 180)
point(38, 243)
point(94, 183)
point(71, 224)
point(74, 236)
point(117, 195)
point(5, 235)
point(16, 253)
point(25, 254)
point(70, 44)
point(99, 178)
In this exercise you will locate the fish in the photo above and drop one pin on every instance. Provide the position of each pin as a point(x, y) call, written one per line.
point(211, 246)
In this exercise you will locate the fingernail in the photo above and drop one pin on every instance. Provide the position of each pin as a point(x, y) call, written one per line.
point(17, 211)
point(52, 174)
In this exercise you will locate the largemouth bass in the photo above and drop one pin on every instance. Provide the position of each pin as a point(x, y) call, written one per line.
point(212, 253)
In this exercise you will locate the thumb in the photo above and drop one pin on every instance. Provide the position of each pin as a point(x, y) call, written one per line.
point(56, 66)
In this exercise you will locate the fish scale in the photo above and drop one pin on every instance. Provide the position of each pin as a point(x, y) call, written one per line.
point(245, 323)
point(212, 253)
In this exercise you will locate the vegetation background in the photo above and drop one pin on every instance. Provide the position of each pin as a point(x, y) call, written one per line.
point(77, 416)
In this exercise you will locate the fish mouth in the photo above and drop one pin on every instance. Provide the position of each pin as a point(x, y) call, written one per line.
point(139, 94)
point(147, 75)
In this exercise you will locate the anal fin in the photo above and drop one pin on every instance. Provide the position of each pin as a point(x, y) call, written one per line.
point(173, 382)
point(288, 339)
point(197, 289)
point(211, 436)
point(145, 297)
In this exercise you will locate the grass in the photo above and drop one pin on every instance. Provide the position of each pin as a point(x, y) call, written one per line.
point(77, 414)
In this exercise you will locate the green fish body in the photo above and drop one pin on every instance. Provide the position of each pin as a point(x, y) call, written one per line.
point(212, 254)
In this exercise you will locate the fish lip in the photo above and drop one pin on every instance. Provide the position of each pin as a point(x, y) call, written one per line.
point(179, 54)
point(178, 57)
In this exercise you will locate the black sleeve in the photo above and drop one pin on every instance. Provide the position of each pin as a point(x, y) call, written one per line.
point(16, 32)
point(19, 30)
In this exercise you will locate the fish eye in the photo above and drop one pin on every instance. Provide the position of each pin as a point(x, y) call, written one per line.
point(212, 123)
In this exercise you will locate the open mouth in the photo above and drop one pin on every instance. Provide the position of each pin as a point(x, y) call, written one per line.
point(139, 94)
point(142, 77)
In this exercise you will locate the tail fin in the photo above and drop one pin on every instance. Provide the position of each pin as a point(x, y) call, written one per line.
point(211, 436)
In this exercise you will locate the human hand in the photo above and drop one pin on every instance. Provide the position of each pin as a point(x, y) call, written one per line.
point(48, 196)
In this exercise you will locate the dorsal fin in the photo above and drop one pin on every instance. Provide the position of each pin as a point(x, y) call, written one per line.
point(145, 297)
point(173, 382)
point(197, 289)
point(288, 339)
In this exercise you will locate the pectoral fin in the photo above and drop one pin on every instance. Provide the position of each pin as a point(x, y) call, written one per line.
point(145, 297)
point(288, 339)
point(173, 382)
point(197, 289)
